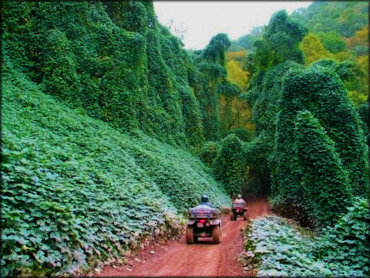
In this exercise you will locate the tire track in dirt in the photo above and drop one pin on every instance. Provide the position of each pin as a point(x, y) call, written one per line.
point(176, 258)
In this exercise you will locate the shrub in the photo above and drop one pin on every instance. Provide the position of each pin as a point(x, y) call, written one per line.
point(277, 246)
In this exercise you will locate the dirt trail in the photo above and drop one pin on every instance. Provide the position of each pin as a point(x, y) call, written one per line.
point(176, 258)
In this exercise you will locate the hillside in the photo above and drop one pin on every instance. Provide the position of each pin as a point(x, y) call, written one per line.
point(343, 17)
point(111, 131)
point(76, 190)
point(118, 63)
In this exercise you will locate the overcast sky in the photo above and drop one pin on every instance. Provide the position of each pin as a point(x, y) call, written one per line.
point(202, 20)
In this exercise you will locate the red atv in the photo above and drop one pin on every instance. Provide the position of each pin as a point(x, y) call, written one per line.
point(238, 209)
point(204, 221)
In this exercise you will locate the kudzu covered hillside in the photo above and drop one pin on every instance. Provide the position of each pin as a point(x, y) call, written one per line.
point(111, 130)
point(93, 94)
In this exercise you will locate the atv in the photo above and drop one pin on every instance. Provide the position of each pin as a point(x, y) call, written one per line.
point(204, 222)
point(238, 209)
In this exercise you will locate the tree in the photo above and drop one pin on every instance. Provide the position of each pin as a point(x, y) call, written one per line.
point(236, 75)
point(229, 166)
point(313, 49)
point(211, 65)
point(324, 187)
point(320, 91)
point(332, 41)
point(215, 50)
point(280, 42)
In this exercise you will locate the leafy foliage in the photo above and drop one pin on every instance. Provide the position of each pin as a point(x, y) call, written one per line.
point(278, 247)
point(313, 49)
point(359, 42)
point(364, 114)
point(246, 42)
point(236, 74)
point(332, 41)
point(264, 94)
point(209, 152)
point(280, 42)
point(324, 184)
point(344, 18)
point(75, 190)
point(339, 31)
point(229, 166)
point(119, 64)
point(346, 244)
point(319, 91)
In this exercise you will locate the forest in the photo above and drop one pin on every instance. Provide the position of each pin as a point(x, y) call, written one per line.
point(111, 130)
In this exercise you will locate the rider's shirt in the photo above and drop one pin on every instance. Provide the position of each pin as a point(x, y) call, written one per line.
point(240, 201)
point(207, 204)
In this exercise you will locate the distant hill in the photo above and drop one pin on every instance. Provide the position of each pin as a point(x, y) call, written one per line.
point(344, 17)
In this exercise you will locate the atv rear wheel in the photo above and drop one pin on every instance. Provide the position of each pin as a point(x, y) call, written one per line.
point(216, 235)
point(189, 235)
point(232, 216)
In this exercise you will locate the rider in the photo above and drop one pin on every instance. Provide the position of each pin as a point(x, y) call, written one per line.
point(205, 202)
point(239, 200)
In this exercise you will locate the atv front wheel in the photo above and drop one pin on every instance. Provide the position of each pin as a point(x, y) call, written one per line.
point(216, 235)
point(189, 235)
point(232, 217)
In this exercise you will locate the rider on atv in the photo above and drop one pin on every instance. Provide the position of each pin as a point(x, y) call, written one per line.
point(204, 222)
point(240, 200)
point(239, 208)
point(205, 201)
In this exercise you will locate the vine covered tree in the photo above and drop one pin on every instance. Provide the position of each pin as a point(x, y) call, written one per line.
point(229, 165)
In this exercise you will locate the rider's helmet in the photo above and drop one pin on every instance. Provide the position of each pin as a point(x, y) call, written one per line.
point(239, 196)
point(204, 198)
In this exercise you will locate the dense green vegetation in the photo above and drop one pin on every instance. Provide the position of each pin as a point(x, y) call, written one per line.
point(120, 65)
point(104, 112)
point(229, 165)
point(76, 190)
point(290, 150)
point(336, 30)
point(310, 148)
point(344, 18)
point(297, 161)
point(278, 247)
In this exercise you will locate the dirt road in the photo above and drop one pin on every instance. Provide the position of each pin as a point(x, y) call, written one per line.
point(176, 258)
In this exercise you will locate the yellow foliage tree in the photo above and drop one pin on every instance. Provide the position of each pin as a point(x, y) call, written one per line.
point(361, 37)
point(363, 62)
point(341, 56)
point(313, 49)
point(236, 75)
point(236, 55)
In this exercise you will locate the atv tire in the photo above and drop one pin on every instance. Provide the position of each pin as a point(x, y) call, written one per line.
point(232, 216)
point(216, 235)
point(245, 216)
point(189, 235)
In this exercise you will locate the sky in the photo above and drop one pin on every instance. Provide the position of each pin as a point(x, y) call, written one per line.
point(199, 21)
